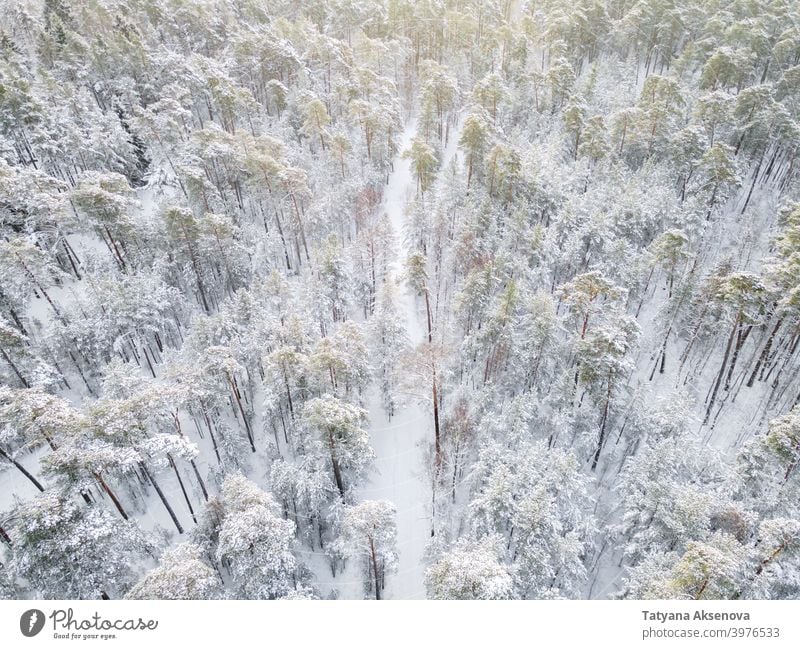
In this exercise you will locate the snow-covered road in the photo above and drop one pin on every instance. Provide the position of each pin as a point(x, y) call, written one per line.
point(400, 444)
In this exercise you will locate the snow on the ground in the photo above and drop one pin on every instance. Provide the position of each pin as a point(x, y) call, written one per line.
point(400, 443)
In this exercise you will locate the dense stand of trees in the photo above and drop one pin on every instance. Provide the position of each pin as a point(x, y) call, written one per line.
point(202, 296)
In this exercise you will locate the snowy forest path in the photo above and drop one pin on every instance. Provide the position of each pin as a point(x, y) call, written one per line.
point(401, 444)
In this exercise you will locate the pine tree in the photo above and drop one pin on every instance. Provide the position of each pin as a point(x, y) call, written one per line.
point(423, 163)
point(254, 542)
point(389, 342)
point(369, 534)
point(533, 497)
point(181, 574)
point(65, 549)
point(473, 140)
point(316, 121)
point(336, 427)
point(469, 571)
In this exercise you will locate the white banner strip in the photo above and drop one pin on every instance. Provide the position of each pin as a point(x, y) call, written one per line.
point(355, 624)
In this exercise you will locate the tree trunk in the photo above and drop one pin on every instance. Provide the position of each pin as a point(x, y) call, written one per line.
point(162, 497)
point(764, 354)
point(42, 290)
point(183, 488)
point(280, 226)
point(111, 495)
point(718, 381)
point(337, 472)
point(117, 254)
point(740, 340)
point(455, 472)
point(434, 388)
point(602, 437)
point(211, 434)
point(436, 428)
point(14, 367)
point(702, 588)
point(711, 202)
point(241, 410)
point(199, 480)
point(22, 470)
point(300, 226)
point(288, 393)
point(375, 569)
point(753, 184)
point(770, 558)
point(193, 259)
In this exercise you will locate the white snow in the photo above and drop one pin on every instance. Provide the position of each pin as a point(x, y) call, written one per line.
point(400, 443)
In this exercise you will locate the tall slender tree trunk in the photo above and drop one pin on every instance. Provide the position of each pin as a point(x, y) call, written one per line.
point(755, 180)
point(117, 254)
point(300, 226)
point(436, 428)
point(764, 353)
point(163, 498)
point(237, 396)
point(337, 472)
point(111, 495)
point(213, 438)
point(712, 202)
point(193, 258)
point(288, 393)
point(278, 223)
point(183, 488)
point(434, 389)
point(199, 480)
point(718, 382)
point(741, 337)
point(602, 438)
point(22, 469)
point(42, 290)
point(13, 366)
point(374, 558)
point(68, 249)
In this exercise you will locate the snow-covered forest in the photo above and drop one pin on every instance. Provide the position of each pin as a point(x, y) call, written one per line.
point(399, 299)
